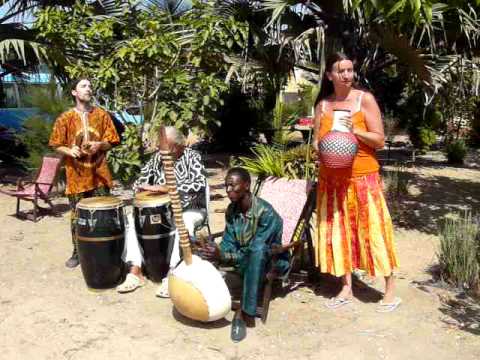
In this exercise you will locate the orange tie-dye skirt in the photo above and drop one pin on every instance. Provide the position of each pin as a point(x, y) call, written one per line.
point(355, 230)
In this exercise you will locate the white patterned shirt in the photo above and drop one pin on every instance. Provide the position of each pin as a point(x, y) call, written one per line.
point(189, 173)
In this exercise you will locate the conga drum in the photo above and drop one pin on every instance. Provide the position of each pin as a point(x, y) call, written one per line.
point(155, 231)
point(100, 240)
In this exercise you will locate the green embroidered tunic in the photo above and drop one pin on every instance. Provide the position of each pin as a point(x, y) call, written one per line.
point(247, 243)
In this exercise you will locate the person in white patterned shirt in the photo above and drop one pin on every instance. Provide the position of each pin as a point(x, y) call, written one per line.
point(191, 184)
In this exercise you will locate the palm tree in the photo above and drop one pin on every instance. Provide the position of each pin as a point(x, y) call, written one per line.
point(420, 38)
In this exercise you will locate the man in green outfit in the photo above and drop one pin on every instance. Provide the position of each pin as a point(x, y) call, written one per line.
point(253, 229)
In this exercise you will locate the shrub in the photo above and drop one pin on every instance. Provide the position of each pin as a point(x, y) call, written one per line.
point(396, 182)
point(423, 138)
point(35, 138)
point(456, 151)
point(459, 251)
point(294, 163)
point(126, 159)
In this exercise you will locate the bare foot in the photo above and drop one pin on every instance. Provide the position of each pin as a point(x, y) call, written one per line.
point(346, 292)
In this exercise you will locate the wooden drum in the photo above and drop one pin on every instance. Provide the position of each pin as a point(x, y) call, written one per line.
point(100, 237)
point(155, 231)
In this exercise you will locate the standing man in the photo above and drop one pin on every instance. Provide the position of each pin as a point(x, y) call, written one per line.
point(83, 135)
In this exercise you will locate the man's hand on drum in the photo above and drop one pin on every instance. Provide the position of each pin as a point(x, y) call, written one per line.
point(92, 147)
point(154, 188)
point(75, 152)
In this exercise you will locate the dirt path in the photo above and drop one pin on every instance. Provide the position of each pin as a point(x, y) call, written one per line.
point(46, 312)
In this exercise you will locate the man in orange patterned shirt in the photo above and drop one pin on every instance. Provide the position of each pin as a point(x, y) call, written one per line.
point(83, 135)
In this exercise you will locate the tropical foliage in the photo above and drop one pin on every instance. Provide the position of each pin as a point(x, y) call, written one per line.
point(294, 163)
point(170, 67)
point(36, 129)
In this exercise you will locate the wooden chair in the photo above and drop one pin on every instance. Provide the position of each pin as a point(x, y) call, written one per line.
point(40, 188)
point(206, 221)
point(294, 201)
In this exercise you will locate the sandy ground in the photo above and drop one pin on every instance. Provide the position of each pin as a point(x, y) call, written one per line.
point(46, 311)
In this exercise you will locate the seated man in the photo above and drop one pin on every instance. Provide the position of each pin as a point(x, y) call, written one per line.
point(253, 232)
point(191, 183)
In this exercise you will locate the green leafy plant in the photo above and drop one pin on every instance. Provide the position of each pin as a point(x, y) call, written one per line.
point(35, 137)
point(423, 138)
point(172, 66)
point(266, 161)
point(126, 159)
point(396, 185)
point(36, 129)
point(456, 151)
point(459, 250)
point(294, 163)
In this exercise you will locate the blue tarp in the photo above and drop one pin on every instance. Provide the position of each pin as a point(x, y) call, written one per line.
point(14, 117)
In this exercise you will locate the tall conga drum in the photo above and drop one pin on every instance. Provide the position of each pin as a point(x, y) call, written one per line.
point(155, 230)
point(100, 240)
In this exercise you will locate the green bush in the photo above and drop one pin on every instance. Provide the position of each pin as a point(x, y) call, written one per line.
point(423, 138)
point(294, 163)
point(35, 137)
point(37, 128)
point(459, 254)
point(456, 151)
point(126, 159)
point(396, 181)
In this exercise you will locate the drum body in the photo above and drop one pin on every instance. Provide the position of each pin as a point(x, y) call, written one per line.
point(155, 231)
point(101, 239)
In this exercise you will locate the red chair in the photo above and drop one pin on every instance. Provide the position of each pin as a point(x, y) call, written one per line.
point(40, 188)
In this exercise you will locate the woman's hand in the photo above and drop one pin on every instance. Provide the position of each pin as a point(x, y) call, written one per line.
point(347, 122)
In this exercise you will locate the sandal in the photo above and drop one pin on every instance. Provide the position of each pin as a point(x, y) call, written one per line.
point(131, 283)
point(162, 290)
point(336, 302)
point(238, 331)
point(388, 307)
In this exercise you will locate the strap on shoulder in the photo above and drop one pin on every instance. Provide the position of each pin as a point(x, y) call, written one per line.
point(359, 101)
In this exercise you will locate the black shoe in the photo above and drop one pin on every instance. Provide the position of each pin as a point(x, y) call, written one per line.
point(73, 261)
point(238, 331)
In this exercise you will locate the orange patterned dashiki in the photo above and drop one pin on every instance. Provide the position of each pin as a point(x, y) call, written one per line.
point(71, 128)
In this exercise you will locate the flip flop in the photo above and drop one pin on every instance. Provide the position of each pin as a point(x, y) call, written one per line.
point(131, 283)
point(239, 330)
point(162, 290)
point(388, 307)
point(336, 302)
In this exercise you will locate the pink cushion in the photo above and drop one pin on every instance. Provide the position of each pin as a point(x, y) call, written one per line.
point(288, 197)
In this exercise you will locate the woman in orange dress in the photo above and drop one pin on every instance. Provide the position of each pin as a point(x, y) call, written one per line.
point(354, 226)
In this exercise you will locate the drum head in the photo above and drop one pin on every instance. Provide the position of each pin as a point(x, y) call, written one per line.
point(150, 199)
point(99, 202)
